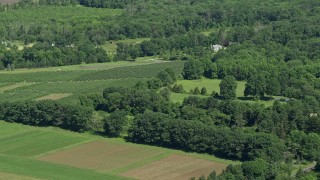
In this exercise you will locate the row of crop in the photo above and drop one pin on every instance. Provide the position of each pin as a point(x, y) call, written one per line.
point(20, 95)
point(76, 88)
point(47, 76)
point(53, 15)
point(143, 71)
point(2, 84)
point(79, 87)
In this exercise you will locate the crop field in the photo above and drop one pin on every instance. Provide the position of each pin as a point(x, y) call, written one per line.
point(54, 96)
point(18, 95)
point(15, 177)
point(176, 167)
point(5, 84)
point(35, 142)
point(39, 153)
point(67, 14)
point(8, 1)
point(125, 71)
point(74, 81)
point(102, 156)
point(13, 86)
point(93, 66)
point(20, 145)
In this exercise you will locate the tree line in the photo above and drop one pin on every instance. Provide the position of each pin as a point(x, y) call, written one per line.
point(48, 55)
point(47, 113)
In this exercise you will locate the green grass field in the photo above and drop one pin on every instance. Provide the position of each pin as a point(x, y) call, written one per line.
point(22, 146)
point(111, 46)
point(212, 85)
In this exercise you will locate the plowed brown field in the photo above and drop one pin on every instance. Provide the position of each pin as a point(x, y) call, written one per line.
point(134, 161)
point(101, 156)
point(176, 167)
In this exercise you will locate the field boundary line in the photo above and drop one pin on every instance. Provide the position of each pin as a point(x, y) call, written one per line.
point(60, 149)
point(208, 158)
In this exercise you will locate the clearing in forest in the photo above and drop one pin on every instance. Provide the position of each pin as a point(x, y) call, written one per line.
point(54, 96)
point(102, 156)
point(176, 167)
point(210, 85)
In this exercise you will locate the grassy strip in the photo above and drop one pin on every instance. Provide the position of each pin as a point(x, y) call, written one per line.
point(44, 170)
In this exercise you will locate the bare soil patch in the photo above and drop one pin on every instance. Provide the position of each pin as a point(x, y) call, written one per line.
point(176, 167)
point(101, 155)
point(5, 176)
point(54, 96)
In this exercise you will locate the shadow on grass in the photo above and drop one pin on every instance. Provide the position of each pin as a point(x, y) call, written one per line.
point(255, 99)
point(103, 134)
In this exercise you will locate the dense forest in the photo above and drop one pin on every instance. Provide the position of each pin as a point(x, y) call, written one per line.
point(272, 45)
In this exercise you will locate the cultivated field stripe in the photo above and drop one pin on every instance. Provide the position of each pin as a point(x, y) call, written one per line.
point(14, 86)
point(141, 163)
point(103, 156)
point(53, 96)
point(176, 167)
point(45, 170)
point(8, 176)
point(63, 148)
point(36, 142)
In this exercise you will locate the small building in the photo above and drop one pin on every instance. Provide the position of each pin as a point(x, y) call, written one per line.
point(313, 115)
point(4, 43)
point(216, 47)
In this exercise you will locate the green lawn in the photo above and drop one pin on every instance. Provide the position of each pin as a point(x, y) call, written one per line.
point(210, 85)
point(213, 85)
point(111, 46)
point(178, 98)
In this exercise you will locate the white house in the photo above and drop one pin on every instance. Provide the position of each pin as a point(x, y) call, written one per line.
point(216, 47)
